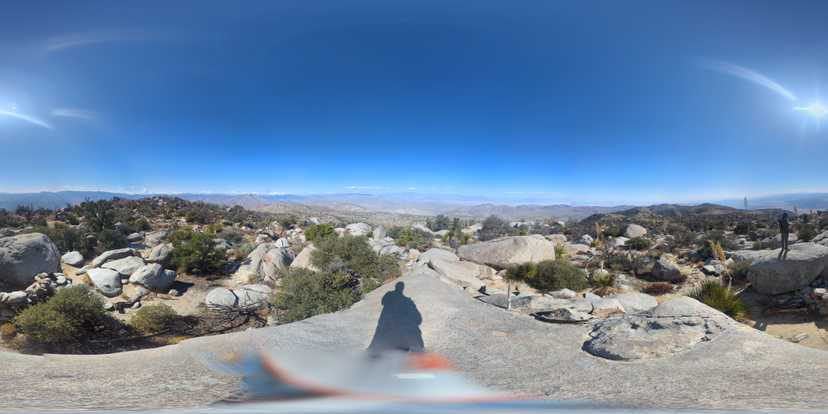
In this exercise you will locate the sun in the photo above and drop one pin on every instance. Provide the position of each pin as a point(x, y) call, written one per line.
point(815, 109)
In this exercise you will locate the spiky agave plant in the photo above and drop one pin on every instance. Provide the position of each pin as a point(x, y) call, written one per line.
point(714, 294)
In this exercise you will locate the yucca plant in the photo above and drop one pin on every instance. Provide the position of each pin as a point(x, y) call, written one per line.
point(714, 294)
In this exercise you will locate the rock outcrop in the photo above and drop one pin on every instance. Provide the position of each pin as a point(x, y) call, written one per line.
point(507, 251)
point(242, 298)
point(74, 259)
point(358, 229)
point(107, 281)
point(635, 230)
point(468, 275)
point(112, 255)
point(161, 253)
point(495, 348)
point(303, 259)
point(24, 256)
point(666, 269)
point(672, 327)
point(767, 274)
point(387, 247)
point(263, 263)
point(125, 266)
point(153, 277)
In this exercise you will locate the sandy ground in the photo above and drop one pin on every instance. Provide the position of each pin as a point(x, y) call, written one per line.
point(795, 325)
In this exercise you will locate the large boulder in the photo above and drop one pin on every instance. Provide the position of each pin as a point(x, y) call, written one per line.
point(435, 253)
point(245, 297)
point(422, 227)
point(464, 274)
point(135, 237)
point(558, 239)
point(112, 255)
point(666, 269)
point(574, 249)
point(24, 256)
point(451, 268)
point(358, 229)
point(252, 296)
point(634, 230)
point(767, 274)
point(265, 262)
point(107, 281)
point(387, 247)
point(153, 277)
point(160, 253)
point(155, 238)
point(74, 259)
point(507, 251)
point(303, 259)
point(221, 298)
point(125, 266)
point(821, 238)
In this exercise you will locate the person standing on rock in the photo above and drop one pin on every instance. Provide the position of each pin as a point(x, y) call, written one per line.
point(784, 233)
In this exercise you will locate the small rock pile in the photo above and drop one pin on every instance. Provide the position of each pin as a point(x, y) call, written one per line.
point(44, 286)
point(817, 301)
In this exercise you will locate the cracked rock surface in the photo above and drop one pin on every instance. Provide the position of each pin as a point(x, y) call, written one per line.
point(670, 328)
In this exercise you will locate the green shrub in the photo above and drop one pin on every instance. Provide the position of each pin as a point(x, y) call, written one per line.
point(196, 253)
point(7, 219)
point(807, 232)
point(64, 237)
point(152, 319)
point(354, 256)
point(639, 243)
point(304, 293)
point(613, 230)
point(713, 294)
point(232, 235)
point(410, 238)
point(317, 232)
point(438, 223)
point(743, 228)
point(560, 252)
point(98, 215)
point(109, 239)
point(494, 227)
point(739, 270)
point(549, 275)
point(70, 316)
point(244, 249)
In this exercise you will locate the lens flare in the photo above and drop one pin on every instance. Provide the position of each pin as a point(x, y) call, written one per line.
point(815, 109)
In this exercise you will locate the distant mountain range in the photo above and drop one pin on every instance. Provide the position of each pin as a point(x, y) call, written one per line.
point(407, 204)
point(802, 201)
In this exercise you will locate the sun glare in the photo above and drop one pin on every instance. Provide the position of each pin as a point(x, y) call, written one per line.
point(815, 109)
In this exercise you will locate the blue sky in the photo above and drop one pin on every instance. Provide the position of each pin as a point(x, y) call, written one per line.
point(581, 102)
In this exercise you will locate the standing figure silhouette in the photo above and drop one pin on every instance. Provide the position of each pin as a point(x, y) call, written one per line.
point(398, 327)
point(784, 233)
